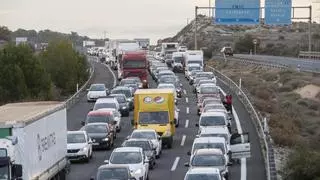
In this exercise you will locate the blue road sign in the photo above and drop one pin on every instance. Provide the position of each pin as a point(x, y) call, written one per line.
point(237, 12)
point(278, 12)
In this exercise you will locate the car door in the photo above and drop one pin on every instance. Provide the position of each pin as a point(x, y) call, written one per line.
point(240, 146)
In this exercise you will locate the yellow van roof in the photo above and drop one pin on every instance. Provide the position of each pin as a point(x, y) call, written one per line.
point(154, 91)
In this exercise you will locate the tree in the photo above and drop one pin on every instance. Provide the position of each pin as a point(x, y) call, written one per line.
point(5, 33)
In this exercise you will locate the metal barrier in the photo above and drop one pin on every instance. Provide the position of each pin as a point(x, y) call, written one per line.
point(75, 97)
point(309, 55)
point(265, 139)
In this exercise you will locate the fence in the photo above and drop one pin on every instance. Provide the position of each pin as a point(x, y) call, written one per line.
point(309, 55)
point(265, 139)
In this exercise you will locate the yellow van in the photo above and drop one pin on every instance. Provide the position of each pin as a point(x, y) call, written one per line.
point(154, 109)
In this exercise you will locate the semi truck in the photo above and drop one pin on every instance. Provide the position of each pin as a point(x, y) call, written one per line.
point(134, 64)
point(144, 43)
point(33, 141)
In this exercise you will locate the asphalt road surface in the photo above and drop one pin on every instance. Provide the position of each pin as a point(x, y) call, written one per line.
point(305, 64)
point(171, 163)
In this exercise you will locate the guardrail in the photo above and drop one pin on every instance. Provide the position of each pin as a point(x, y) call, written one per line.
point(309, 54)
point(265, 139)
point(75, 97)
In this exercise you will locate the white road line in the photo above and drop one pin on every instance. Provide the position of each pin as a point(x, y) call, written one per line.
point(187, 123)
point(183, 140)
point(184, 92)
point(175, 164)
point(187, 110)
point(187, 100)
point(114, 76)
point(243, 168)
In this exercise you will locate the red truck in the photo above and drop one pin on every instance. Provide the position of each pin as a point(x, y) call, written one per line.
point(134, 64)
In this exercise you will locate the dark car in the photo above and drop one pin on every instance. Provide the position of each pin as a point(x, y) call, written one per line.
point(101, 135)
point(124, 105)
point(147, 147)
point(127, 92)
point(112, 172)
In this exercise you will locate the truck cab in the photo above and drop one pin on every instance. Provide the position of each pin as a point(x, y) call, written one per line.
point(155, 109)
point(134, 64)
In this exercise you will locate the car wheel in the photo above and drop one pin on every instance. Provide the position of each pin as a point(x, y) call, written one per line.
point(91, 154)
point(87, 159)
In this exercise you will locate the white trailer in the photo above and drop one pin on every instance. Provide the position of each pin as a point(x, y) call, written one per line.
point(33, 141)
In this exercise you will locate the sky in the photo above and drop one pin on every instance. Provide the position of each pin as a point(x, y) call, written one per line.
point(130, 19)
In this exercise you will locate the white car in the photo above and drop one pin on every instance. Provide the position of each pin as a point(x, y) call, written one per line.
point(203, 173)
point(210, 157)
point(213, 119)
point(189, 68)
point(117, 116)
point(95, 91)
point(150, 134)
point(216, 132)
point(134, 157)
point(79, 146)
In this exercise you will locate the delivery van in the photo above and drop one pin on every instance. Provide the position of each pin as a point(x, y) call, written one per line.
point(154, 109)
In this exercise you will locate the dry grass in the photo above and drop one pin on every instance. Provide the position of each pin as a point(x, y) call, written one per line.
point(293, 120)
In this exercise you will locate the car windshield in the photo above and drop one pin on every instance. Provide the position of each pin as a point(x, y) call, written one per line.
point(76, 138)
point(99, 119)
point(167, 79)
point(134, 64)
point(195, 62)
point(113, 173)
point(202, 176)
point(166, 86)
point(214, 106)
point(143, 135)
point(192, 68)
point(127, 93)
point(208, 160)
point(208, 145)
point(104, 105)
point(209, 90)
point(97, 87)
point(209, 76)
point(194, 72)
point(136, 79)
point(145, 145)
point(120, 99)
point(96, 129)
point(199, 79)
point(206, 82)
point(159, 117)
point(212, 121)
point(211, 101)
point(127, 81)
point(178, 59)
point(125, 158)
point(225, 136)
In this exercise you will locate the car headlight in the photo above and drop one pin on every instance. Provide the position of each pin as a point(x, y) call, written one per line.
point(105, 139)
point(138, 171)
point(84, 149)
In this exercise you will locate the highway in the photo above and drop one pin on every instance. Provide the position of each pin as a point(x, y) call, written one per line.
point(305, 64)
point(171, 163)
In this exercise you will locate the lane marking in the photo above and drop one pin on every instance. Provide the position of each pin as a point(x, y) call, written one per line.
point(187, 110)
point(183, 140)
point(175, 164)
point(243, 169)
point(187, 100)
point(184, 92)
point(114, 76)
point(187, 123)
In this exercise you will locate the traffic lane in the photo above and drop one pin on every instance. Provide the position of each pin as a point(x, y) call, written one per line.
point(255, 164)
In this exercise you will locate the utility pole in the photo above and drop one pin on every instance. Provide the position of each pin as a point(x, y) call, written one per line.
point(210, 8)
point(310, 25)
point(195, 29)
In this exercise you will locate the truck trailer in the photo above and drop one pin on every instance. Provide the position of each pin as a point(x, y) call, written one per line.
point(33, 141)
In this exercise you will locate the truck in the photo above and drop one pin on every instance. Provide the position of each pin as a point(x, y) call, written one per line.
point(123, 46)
point(167, 49)
point(155, 109)
point(193, 57)
point(134, 64)
point(144, 43)
point(178, 61)
point(33, 141)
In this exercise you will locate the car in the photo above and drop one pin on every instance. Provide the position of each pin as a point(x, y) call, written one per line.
point(215, 132)
point(209, 75)
point(203, 173)
point(210, 157)
point(204, 81)
point(116, 115)
point(133, 87)
point(164, 73)
point(159, 68)
point(150, 134)
point(214, 107)
point(147, 146)
point(109, 172)
point(209, 89)
point(134, 157)
point(127, 92)
point(214, 119)
point(95, 91)
point(196, 81)
point(209, 100)
point(79, 146)
point(193, 74)
point(127, 81)
point(101, 116)
point(101, 135)
point(191, 67)
point(138, 81)
point(106, 103)
point(123, 104)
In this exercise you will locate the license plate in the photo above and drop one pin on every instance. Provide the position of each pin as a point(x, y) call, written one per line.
point(71, 154)
point(95, 144)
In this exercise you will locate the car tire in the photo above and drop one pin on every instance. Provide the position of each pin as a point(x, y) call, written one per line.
point(118, 130)
point(87, 159)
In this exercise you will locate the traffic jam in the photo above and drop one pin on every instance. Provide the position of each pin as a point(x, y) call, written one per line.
point(149, 91)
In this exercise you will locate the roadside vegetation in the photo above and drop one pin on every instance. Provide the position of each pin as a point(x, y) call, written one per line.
point(50, 75)
point(291, 102)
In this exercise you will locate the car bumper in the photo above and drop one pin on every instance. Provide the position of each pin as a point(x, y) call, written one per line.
point(101, 144)
point(76, 156)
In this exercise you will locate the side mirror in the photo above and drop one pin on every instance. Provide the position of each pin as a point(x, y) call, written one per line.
point(189, 153)
point(178, 110)
point(106, 161)
point(87, 89)
point(180, 84)
point(197, 125)
point(128, 137)
point(159, 137)
point(197, 136)
point(92, 178)
point(91, 109)
point(229, 164)
point(114, 122)
point(17, 170)
point(186, 164)
point(83, 123)
point(146, 160)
